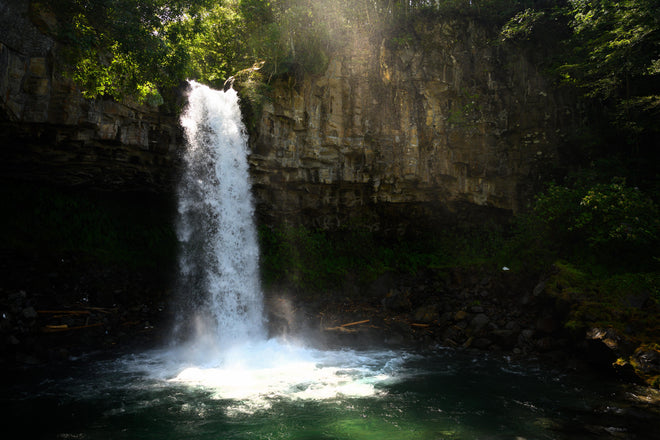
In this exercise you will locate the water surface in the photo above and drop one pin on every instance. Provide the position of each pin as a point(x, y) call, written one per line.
point(342, 394)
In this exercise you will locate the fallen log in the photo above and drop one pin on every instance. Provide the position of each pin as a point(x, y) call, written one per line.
point(64, 327)
point(343, 327)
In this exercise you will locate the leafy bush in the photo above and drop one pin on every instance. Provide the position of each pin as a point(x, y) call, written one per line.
point(133, 231)
point(318, 261)
point(612, 219)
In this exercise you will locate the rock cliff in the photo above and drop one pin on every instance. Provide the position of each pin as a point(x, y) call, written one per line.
point(443, 124)
point(50, 133)
point(440, 124)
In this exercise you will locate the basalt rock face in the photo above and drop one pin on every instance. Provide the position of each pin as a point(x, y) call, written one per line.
point(441, 126)
point(49, 132)
point(445, 125)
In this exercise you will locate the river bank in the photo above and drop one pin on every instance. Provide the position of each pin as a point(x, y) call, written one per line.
point(53, 310)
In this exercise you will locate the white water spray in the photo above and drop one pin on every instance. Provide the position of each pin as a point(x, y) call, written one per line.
point(220, 254)
point(228, 350)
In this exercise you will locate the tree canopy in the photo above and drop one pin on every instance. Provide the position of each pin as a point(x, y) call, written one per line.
point(128, 47)
point(610, 50)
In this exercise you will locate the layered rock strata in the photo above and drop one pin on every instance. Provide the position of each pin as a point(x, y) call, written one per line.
point(444, 122)
point(50, 132)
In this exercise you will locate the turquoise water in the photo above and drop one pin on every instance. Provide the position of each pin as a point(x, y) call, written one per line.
point(346, 394)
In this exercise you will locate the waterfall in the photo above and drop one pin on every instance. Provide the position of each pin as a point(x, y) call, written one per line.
point(219, 257)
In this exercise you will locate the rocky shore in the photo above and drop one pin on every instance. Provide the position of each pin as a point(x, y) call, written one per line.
point(498, 311)
point(52, 312)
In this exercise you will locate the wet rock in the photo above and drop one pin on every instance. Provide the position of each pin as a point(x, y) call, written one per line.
point(482, 343)
point(29, 313)
point(397, 301)
point(648, 360)
point(527, 334)
point(426, 313)
point(602, 347)
point(479, 322)
point(504, 338)
point(453, 336)
point(546, 344)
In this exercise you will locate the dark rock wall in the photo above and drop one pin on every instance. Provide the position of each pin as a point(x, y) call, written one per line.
point(50, 133)
point(446, 125)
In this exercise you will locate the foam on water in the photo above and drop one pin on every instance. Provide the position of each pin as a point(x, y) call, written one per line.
point(254, 376)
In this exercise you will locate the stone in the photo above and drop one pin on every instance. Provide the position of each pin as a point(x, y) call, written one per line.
point(29, 313)
point(527, 334)
point(482, 343)
point(416, 126)
point(539, 288)
point(405, 137)
point(460, 315)
point(479, 322)
point(397, 301)
point(505, 338)
point(426, 314)
point(648, 360)
point(38, 67)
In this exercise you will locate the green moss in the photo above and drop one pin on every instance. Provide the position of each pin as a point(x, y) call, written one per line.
point(133, 230)
point(626, 302)
point(327, 260)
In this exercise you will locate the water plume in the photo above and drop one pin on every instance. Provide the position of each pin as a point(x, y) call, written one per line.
point(219, 273)
point(222, 343)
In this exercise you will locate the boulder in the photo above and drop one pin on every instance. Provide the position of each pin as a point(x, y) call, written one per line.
point(479, 322)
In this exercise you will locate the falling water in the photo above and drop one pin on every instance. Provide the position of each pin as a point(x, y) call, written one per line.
point(219, 256)
point(225, 346)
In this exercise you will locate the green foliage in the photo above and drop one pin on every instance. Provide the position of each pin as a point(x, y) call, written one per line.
point(325, 260)
point(609, 50)
point(523, 25)
point(106, 229)
point(616, 213)
point(121, 48)
point(627, 302)
point(606, 216)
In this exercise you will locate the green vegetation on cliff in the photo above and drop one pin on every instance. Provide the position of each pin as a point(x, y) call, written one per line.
point(121, 47)
point(129, 230)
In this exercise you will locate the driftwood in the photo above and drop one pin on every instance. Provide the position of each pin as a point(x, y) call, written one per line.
point(343, 327)
point(82, 315)
point(64, 327)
